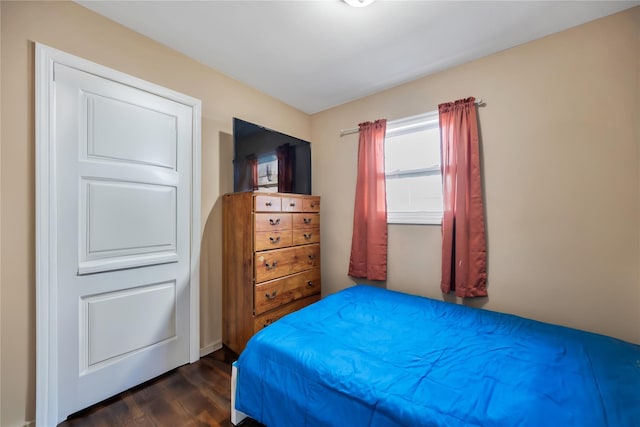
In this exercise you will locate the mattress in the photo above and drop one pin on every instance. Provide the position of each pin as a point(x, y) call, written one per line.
point(371, 357)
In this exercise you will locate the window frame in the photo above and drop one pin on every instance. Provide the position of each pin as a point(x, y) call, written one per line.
point(404, 126)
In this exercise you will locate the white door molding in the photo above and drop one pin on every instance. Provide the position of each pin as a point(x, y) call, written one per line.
point(46, 219)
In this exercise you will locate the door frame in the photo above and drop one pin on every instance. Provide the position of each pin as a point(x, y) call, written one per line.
point(46, 218)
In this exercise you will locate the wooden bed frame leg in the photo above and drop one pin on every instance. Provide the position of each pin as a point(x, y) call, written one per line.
point(236, 416)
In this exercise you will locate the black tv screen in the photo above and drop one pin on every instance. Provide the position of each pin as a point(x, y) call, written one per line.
point(269, 161)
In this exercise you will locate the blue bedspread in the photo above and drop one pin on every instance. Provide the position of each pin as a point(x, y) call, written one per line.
point(371, 357)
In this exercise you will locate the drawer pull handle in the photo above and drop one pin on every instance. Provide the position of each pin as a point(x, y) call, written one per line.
point(268, 203)
point(306, 220)
point(310, 284)
point(272, 295)
point(307, 235)
point(274, 240)
point(292, 205)
point(312, 256)
point(271, 266)
point(274, 222)
point(313, 205)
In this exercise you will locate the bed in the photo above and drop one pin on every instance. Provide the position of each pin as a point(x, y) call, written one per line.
point(371, 357)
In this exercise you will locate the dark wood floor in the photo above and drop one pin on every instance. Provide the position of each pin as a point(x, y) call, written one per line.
point(192, 395)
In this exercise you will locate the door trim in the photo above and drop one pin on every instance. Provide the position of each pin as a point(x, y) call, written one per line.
point(46, 219)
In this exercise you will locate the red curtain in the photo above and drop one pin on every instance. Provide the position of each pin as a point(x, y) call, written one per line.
point(464, 248)
point(369, 240)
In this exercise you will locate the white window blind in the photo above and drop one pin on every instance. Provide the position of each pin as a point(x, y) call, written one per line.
point(412, 168)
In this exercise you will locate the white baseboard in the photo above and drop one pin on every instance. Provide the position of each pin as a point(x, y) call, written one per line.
point(208, 349)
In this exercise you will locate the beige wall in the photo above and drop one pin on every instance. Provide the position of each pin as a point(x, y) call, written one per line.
point(74, 29)
point(561, 171)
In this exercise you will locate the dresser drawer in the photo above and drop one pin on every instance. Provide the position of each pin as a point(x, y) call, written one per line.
point(292, 204)
point(264, 320)
point(265, 240)
point(281, 262)
point(267, 203)
point(272, 221)
point(311, 204)
point(272, 294)
point(305, 220)
point(306, 236)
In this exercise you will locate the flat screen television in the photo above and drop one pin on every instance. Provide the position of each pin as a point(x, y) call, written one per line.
point(269, 161)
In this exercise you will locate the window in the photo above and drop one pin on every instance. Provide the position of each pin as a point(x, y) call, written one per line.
point(412, 167)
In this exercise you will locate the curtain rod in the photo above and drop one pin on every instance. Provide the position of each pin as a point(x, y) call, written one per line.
point(356, 130)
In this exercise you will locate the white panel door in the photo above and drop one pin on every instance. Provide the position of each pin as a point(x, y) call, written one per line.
point(123, 184)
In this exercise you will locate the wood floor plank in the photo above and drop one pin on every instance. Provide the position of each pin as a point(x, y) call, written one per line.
point(195, 395)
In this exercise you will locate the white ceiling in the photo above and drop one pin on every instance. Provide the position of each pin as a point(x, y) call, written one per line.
point(314, 55)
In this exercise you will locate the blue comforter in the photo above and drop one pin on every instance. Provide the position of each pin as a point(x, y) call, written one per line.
point(372, 357)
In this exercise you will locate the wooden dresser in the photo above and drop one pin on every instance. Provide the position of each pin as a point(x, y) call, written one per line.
point(271, 260)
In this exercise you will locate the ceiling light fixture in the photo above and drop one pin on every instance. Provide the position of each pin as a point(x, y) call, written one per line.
point(359, 3)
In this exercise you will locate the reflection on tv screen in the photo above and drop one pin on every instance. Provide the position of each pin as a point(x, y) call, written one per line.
point(269, 161)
